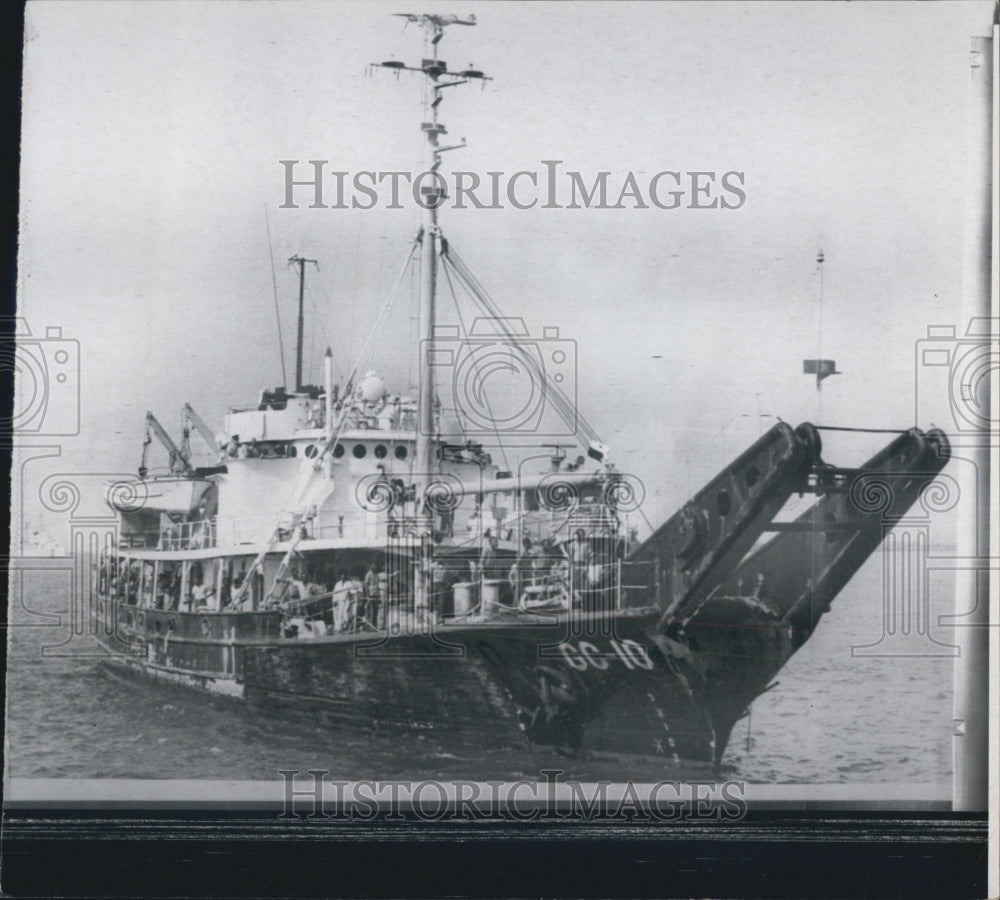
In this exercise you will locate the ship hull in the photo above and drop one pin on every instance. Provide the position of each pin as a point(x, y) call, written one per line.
point(664, 665)
point(612, 683)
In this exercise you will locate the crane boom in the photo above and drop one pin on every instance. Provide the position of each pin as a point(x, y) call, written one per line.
point(178, 459)
point(191, 416)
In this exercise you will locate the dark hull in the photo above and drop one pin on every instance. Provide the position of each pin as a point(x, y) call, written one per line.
point(611, 683)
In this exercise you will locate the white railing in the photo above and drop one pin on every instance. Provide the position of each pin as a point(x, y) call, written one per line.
point(188, 535)
point(333, 524)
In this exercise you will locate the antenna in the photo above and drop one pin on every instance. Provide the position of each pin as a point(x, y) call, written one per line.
point(435, 24)
point(821, 368)
point(277, 308)
point(820, 259)
point(298, 345)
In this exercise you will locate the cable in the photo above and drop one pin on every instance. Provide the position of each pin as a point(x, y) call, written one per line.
point(863, 430)
point(277, 310)
point(454, 299)
point(563, 406)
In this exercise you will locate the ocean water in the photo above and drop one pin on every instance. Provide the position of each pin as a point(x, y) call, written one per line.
point(833, 716)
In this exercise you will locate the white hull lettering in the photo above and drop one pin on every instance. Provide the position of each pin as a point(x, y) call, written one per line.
point(585, 655)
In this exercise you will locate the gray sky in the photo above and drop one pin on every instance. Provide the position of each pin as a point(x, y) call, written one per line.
point(152, 134)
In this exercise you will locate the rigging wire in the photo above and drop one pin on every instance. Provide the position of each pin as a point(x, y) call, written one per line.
point(307, 475)
point(312, 350)
point(489, 406)
point(565, 408)
point(413, 361)
point(364, 357)
point(368, 348)
point(862, 430)
point(327, 301)
point(356, 259)
point(277, 308)
point(559, 401)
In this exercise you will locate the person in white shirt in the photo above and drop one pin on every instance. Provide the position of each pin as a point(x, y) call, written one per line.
point(345, 593)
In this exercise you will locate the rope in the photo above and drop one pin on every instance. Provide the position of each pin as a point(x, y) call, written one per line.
point(446, 268)
point(565, 408)
point(862, 430)
point(301, 487)
point(274, 284)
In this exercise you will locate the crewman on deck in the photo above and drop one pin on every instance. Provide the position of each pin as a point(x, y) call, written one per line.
point(201, 595)
point(545, 560)
point(165, 589)
point(345, 597)
point(372, 592)
point(522, 573)
point(580, 557)
point(488, 560)
point(226, 591)
point(297, 590)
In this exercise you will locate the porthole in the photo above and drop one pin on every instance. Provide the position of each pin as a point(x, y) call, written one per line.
point(338, 451)
point(292, 450)
point(360, 451)
point(400, 452)
point(380, 451)
point(723, 503)
point(311, 451)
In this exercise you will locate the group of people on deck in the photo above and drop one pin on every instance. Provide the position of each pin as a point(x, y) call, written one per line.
point(354, 603)
point(134, 583)
point(577, 570)
point(572, 565)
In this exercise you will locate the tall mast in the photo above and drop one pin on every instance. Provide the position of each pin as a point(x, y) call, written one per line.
point(298, 344)
point(433, 194)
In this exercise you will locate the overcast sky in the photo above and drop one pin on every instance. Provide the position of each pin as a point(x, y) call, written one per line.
point(152, 136)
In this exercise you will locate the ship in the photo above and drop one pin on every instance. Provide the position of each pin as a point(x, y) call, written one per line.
point(350, 562)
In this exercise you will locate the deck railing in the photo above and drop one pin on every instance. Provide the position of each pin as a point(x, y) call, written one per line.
point(188, 535)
